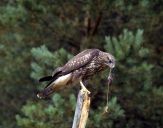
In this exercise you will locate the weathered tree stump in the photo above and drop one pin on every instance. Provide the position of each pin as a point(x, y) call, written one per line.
point(82, 110)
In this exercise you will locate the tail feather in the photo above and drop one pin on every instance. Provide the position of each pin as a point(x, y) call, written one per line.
point(54, 76)
point(46, 78)
point(55, 84)
point(45, 93)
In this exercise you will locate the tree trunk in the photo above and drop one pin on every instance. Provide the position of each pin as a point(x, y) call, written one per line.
point(82, 110)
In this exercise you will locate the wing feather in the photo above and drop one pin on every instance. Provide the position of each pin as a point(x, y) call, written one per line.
point(76, 62)
point(80, 60)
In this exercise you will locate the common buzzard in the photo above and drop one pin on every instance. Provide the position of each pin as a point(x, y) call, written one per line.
point(79, 68)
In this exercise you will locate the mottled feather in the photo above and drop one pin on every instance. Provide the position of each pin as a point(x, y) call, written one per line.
point(80, 67)
point(79, 60)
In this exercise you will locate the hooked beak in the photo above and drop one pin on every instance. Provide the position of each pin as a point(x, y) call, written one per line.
point(111, 65)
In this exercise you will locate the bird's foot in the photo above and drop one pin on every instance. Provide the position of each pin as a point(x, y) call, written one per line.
point(84, 89)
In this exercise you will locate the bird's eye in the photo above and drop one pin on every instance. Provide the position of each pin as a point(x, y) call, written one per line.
point(110, 61)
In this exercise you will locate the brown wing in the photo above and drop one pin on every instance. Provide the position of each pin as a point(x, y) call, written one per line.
point(80, 60)
point(76, 62)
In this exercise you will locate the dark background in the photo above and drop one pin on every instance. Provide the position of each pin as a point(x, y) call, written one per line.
point(36, 36)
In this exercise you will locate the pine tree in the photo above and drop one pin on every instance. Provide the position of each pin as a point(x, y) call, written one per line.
point(67, 27)
point(129, 52)
point(135, 76)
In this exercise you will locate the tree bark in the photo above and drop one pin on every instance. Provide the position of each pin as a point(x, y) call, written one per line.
point(82, 110)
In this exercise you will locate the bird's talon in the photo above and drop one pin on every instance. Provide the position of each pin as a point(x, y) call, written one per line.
point(85, 90)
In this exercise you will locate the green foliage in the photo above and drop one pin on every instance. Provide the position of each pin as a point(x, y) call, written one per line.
point(44, 60)
point(115, 108)
point(10, 15)
point(36, 36)
point(115, 112)
point(126, 44)
point(129, 52)
point(38, 115)
point(134, 73)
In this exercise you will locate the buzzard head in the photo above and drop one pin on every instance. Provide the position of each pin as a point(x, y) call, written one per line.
point(109, 60)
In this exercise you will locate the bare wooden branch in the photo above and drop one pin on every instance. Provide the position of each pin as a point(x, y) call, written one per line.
point(97, 22)
point(82, 110)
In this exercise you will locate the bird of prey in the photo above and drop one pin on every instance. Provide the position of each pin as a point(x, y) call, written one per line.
point(76, 70)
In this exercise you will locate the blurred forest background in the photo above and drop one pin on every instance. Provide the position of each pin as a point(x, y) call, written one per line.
point(36, 36)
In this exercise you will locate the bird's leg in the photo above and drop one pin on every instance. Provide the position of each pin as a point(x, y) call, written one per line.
point(84, 89)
